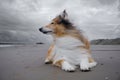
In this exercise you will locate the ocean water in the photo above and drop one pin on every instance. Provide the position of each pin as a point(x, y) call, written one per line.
point(6, 45)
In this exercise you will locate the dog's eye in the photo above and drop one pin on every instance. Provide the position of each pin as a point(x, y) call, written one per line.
point(52, 23)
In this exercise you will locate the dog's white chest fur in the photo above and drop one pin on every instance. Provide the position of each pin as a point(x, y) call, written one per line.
point(68, 42)
point(68, 48)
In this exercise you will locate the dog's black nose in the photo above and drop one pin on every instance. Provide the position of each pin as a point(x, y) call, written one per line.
point(40, 29)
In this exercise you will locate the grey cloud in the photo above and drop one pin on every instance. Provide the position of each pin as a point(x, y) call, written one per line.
point(29, 15)
point(107, 2)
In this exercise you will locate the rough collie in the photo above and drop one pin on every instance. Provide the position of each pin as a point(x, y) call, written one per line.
point(70, 48)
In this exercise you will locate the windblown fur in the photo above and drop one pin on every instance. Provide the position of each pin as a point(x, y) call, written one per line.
point(70, 48)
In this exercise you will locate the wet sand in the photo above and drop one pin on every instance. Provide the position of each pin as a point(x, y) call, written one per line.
point(26, 62)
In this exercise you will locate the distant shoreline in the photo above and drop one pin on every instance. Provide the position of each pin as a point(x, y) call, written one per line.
point(12, 43)
point(106, 41)
point(17, 43)
point(6, 45)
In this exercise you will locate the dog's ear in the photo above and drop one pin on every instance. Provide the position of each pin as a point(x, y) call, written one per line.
point(64, 15)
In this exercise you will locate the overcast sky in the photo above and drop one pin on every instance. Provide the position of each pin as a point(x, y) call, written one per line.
point(98, 18)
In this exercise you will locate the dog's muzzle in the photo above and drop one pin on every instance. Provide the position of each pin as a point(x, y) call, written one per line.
point(44, 31)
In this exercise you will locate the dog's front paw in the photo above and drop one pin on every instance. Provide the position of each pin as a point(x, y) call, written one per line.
point(84, 67)
point(93, 64)
point(67, 67)
point(48, 61)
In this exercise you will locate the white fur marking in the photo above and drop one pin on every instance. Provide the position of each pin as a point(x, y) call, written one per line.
point(67, 67)
point(68, 42)
point(46, 60)
point(67, 48)
point(93, 64)
point(84, 64)
point(47, 29)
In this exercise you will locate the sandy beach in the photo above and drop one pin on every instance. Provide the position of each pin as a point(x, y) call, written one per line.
point(26, 62)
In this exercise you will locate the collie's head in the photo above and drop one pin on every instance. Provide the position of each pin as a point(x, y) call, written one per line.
point(59, 26)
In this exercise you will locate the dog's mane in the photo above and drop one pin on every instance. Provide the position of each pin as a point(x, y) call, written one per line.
point(71, 30)
point(67, 24)
point(75, 32)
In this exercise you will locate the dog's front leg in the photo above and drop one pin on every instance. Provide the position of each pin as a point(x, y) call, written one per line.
point(84, 63)
point(50, 54)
